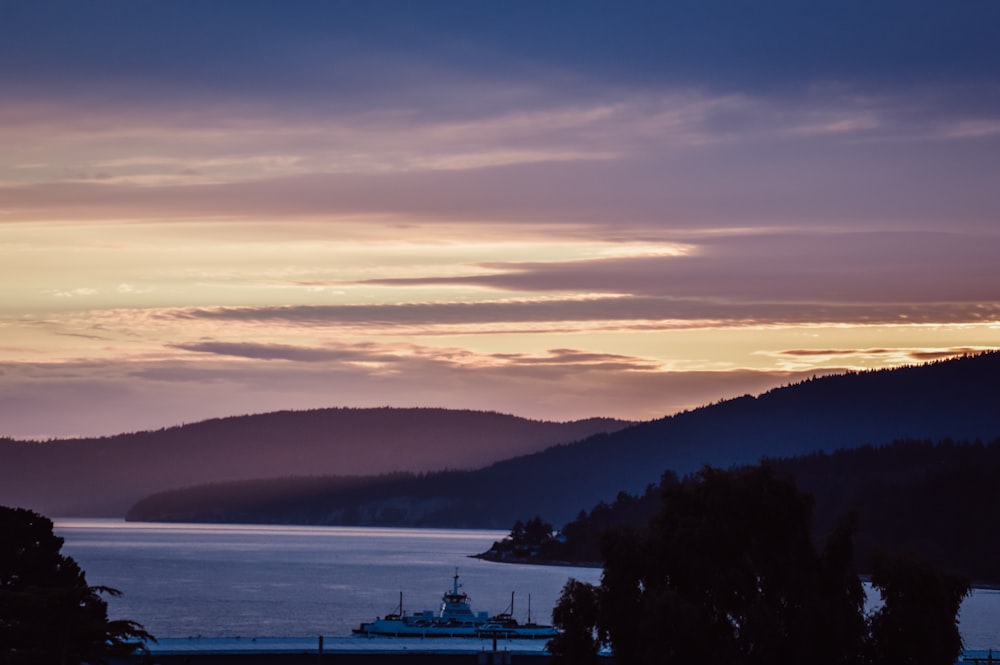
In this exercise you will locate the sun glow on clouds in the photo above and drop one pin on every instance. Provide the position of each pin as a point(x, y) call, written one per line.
point(481, 223)
point(181, 310)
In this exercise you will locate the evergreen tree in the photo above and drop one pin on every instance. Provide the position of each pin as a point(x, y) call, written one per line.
point(49, 614)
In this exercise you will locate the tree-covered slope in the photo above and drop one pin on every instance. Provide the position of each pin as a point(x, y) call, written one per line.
point(949, 399)
point(934, 499)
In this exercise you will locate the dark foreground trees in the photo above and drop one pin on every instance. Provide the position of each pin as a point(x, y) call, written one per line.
point(48, 612)
point(727, 574)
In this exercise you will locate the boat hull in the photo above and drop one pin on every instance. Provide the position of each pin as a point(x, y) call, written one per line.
point(396, 628)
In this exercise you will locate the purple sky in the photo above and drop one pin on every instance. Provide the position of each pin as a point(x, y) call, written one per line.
point(557, 210)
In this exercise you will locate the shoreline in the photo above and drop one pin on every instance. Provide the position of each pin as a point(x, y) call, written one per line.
point(527, 561)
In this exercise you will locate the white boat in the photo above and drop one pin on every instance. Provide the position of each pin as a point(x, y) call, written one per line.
point(454, 619)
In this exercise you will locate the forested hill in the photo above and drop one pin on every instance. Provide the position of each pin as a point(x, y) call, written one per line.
point(104, 476)
point(948, 399)
point(934, 499)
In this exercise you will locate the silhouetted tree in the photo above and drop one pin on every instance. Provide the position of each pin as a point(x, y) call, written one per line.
point(733, 563)
point(48, 612)
point(537, 531)
point(728, 573)
point(916, 624)
point(576, 616)
point(517, 532)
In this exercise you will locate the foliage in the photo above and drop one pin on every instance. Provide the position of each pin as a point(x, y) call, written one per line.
point(533, 533)
point(576, 614)
point(48, 612)
point(727, 572)
point(916, 623)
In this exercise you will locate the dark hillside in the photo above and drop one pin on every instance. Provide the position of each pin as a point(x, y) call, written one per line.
point(949, 399)
point(955, 399)
point(936, 500)
point(104, 476)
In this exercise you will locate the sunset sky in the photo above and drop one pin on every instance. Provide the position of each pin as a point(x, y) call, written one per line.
point(551, 209)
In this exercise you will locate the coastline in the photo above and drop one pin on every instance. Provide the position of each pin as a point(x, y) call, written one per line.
point(533, 561)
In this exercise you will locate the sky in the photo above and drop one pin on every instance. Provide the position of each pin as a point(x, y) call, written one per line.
point(556, 209)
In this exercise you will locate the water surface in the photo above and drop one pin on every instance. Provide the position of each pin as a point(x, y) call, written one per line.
point(187, 580)
point(183, 580)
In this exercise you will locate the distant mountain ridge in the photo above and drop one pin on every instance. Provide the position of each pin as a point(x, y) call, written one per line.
point(104, 476)
point(956, 399)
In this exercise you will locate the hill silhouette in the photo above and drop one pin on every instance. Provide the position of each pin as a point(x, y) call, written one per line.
point(104, 476)
point(953, 399)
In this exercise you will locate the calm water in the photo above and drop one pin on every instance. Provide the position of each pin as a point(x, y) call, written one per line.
point(286, 581)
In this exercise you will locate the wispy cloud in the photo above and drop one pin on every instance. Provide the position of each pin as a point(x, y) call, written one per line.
point(806, 269)
point(170, 145)
point(916, 355)
point(81, 291)
point(615, 313)
point(847, 358)
point(256, 351)
point(388, 355)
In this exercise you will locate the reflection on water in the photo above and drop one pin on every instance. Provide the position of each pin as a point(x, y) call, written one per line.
point(183, 580)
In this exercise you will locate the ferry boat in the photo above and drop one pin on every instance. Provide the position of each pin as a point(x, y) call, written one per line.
point(454, 619)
